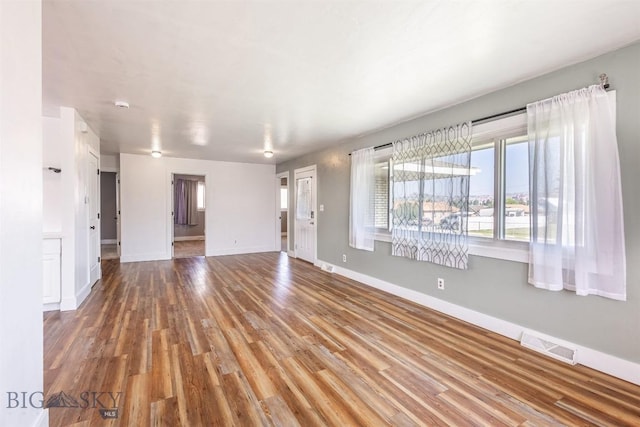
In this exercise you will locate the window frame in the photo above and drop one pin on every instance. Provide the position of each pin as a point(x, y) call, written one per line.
point(380, 156)
point(492, 247)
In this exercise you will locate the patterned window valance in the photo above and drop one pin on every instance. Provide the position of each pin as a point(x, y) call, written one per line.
point(430, 187)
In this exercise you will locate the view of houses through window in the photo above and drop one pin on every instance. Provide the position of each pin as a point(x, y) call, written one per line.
point(494, 211)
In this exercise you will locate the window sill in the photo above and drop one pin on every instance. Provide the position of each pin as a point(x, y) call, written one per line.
point(488, 248)
point(508, 251)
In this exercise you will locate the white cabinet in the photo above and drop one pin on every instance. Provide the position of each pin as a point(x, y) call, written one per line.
point(51, 273)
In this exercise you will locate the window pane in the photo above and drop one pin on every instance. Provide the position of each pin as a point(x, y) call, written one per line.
point(516, 222)
point(381, 197)
point(481, 189)
point(283, 198)
point(200, 195)
point(303, 207)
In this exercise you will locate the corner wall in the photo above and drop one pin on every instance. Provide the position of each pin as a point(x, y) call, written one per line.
point(495, 287)
point(21, 210)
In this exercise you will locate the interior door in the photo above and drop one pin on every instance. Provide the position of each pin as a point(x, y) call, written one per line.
point(94, 218)
point(118, 214)
point(305, 214)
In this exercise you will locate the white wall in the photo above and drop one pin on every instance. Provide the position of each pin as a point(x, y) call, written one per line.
point(66, 207)
point(110, 162)
point(240, 206)
point(52, 193)
point(20, 209)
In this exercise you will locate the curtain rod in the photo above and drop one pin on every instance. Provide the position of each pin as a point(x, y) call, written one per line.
point(473, 122)
point(604, 82)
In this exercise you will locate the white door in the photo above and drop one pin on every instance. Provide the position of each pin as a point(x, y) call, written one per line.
point(94, 218)
point(118, 213)
point(173, 215)
point(305, 214)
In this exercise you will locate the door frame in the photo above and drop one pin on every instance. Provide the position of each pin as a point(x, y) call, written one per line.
point(118, 218)
point(98, 250)
point(278, 234)
point(170, 211)
point(311, 168)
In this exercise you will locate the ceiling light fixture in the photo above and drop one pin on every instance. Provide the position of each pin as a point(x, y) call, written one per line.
point(156, 154)
point(268, 154)
point(121, 104)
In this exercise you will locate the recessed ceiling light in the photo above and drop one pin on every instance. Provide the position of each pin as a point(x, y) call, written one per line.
point(156, 154)
point(268, 154)
point(121, 104)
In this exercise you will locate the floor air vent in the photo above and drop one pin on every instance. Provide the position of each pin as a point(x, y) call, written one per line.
point(549, 348)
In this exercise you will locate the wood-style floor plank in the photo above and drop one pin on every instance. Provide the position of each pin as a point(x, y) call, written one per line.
point(263, 339)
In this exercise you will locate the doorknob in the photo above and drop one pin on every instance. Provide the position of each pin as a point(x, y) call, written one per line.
point(93, 227)
point(311, 223)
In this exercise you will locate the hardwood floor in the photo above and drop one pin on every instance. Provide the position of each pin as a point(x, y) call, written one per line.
point(109, 251)
point(263, 339)
point(188, 248)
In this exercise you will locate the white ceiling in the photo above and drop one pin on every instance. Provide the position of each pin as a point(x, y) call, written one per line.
point(224, 80)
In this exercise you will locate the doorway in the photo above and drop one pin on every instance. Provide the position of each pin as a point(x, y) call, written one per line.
point(305, 213)
point(109, 215)
point(188, 215)
point(282, 196)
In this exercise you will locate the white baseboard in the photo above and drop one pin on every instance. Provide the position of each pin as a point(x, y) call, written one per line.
point(83, 293)
point(51, 306)
point(72, 303)
point(603, 362)
point(108, 241)
point(292, 254)
point(68, 303)
point(187, 238)
point(241, 250)
point(43, 419)
point(159, 256)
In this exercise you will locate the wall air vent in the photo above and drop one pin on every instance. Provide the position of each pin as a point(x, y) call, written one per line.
point(328, 268)
point(550, 348)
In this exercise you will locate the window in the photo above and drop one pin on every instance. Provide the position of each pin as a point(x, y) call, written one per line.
point(499, 188)
point(381, 194)
point(498, 213)
point(200, 195)
point(283, 199)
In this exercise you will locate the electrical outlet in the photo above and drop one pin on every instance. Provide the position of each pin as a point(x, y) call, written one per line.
point(440, 283)
point(344, 257)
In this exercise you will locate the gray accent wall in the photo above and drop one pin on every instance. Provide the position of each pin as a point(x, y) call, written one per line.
point(491, 286)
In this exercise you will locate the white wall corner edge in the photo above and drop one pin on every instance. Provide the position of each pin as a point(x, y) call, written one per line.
point(72, 303)
point(595, 359)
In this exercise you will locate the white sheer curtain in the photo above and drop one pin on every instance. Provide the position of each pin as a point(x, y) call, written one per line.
point(361, 209)
point(577, 238)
